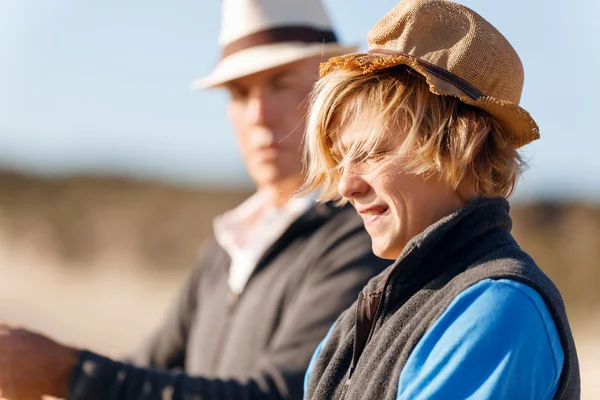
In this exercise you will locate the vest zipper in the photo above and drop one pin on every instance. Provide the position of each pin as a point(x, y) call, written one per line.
point(366, 319)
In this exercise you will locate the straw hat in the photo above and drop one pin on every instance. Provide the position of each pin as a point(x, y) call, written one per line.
point(258, 35)
point(457, 51)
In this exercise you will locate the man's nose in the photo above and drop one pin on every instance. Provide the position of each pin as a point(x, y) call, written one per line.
point(259, 109)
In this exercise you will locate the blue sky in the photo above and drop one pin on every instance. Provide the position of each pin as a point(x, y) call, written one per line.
point(103, 87)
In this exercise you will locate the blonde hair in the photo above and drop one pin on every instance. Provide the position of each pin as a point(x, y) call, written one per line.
point(440, 133)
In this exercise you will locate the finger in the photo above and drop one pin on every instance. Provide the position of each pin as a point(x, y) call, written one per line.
point(6, 328)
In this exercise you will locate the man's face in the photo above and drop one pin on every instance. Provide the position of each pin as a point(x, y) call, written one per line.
point(267, 110)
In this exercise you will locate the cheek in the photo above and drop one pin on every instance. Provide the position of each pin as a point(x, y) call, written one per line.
point(242, 142)
point(388, 184)
point(392, 188)
point(240, 129)
point(294, 140)
point(290, 126)
point(293, 103)
point(400, 219)
point(235, 114)
point(414, 206)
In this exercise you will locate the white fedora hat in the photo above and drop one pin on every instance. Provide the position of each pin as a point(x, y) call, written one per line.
point(257, 35)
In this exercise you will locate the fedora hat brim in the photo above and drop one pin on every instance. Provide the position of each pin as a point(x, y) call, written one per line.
point(516, 121)
point(261, 58)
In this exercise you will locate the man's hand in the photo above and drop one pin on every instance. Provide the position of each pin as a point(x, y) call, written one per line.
point(33, 365)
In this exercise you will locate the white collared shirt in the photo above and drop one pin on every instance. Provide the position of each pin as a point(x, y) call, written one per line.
point(247, 231)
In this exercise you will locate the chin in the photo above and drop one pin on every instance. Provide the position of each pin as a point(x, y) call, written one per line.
point(385, 253)
point(272, 178)
point(386, 250)
point(268, 176)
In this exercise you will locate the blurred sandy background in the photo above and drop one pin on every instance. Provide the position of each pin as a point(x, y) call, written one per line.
point(95, 261)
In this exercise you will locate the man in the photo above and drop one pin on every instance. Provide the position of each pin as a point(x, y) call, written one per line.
point(277, 273)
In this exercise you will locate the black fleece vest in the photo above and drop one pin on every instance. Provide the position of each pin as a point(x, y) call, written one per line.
point(371, 342)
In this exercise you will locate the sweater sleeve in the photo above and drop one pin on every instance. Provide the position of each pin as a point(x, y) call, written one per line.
point(167, 346)
point(330, 286)
point(496, 340)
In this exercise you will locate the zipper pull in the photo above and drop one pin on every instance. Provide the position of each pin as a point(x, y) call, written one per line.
point(349, 380)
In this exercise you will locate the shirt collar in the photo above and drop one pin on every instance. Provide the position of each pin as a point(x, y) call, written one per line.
point(230, 226)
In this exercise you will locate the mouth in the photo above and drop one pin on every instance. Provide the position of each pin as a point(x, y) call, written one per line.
point(268, 152)
point(372, 213)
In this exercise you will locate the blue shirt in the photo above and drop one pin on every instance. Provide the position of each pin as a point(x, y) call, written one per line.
point(496, 340)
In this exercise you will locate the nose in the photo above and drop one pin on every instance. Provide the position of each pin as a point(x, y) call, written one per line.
point(352, 184)
point(259, 107)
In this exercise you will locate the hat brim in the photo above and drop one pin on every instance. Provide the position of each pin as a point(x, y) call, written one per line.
point(516, 121)
point(262, 58)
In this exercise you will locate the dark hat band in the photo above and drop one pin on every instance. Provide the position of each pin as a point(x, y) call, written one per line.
point(302, 34)
point(435, 70)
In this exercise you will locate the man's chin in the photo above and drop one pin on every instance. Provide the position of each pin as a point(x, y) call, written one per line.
point(276, 178)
